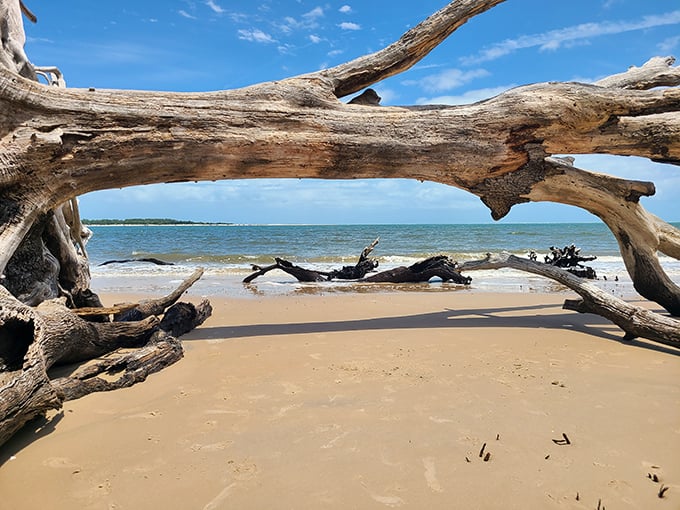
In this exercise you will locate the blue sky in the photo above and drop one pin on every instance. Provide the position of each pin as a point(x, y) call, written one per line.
point(197, 45)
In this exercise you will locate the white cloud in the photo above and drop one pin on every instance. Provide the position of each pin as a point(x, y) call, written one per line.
point(308, 22)
point(315, 13)
point(669, 45)
point(185, 14)
point(349, 26)
point(448, 79)
point(255, 35)
point(345, 9)
point(570, 35)
point(315, 38)
point(285, 49)
point(214, 7)
point(335, 53)
point(469, 97)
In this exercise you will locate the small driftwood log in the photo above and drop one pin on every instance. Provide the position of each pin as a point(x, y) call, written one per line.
point(152, 260)
point(34, 339)
point(439, 266)
point(364, 265)
point(633, 320)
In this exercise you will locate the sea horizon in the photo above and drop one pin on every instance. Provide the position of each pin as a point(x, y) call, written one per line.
point(227, 253)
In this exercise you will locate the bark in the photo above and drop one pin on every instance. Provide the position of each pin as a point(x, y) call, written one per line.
point(364, 265)
point(633, 320)
point(57, 143)
point(299, 128)
point(439, 266)
point(35, 339)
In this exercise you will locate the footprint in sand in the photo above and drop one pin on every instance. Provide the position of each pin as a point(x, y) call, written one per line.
point(392, 501)
point(431, 475)
point(59, 462)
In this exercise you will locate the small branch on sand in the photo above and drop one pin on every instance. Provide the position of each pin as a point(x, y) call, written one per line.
point(152, 260)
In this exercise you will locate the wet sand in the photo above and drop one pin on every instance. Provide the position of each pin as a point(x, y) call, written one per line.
point(372, 401)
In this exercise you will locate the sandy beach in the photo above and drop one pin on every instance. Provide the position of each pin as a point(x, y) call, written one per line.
point(372, 401)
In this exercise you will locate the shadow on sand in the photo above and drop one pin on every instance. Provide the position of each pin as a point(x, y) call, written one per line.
point(506, 317)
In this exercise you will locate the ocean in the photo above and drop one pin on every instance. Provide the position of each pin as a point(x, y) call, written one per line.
point(226, 252)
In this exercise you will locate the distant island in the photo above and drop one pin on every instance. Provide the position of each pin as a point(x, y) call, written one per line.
point(148, 221)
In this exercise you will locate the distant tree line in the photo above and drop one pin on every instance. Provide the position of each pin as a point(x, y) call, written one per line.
point(145, 221)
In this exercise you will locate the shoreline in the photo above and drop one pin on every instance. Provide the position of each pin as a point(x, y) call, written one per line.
point(369, 401)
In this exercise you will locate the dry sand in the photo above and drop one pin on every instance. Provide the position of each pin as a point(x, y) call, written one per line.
point(372, 401)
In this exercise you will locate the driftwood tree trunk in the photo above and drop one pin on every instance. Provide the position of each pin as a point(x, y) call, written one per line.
point(299, 128)
point(633, 320)
point(57, 143)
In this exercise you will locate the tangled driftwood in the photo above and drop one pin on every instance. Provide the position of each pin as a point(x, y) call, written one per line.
point(57, 143)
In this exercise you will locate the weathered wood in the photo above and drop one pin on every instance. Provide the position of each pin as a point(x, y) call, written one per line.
point(363, 266)
point(121, 371)
point(151, 260)
point(34, 339)
point(298, 128)
point(439, 266)
point(157, 306)
point(52, 140)
point(633, 320)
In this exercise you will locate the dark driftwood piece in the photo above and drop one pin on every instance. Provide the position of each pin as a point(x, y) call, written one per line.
point(152, 260)
point(364, 265)
point(633, 320)
point(157, 306)
point(569, 258)
point(439, 266)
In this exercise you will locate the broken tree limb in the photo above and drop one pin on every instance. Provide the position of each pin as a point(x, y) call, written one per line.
point(57, 143)
point(121, 371)
point(633, 320)
point(299, 273)
point(617, 202)
point(439, 266)
point(363, 266)
point(157, 306)
point(152, 260)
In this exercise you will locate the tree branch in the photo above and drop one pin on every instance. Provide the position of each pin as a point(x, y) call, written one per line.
point(656, 72)
point(399, 56)
point(633, 320)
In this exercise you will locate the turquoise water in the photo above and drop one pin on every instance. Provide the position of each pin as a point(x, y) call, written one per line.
point(227, 251)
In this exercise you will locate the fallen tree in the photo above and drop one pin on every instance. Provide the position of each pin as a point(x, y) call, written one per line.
point(633, 320)
point(57, 143)
point(439, 266)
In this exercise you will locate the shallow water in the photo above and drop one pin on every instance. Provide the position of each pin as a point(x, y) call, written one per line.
point(226, 252)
